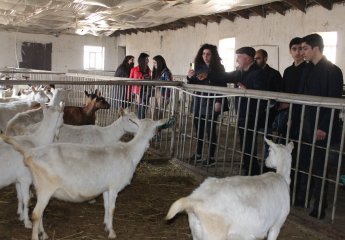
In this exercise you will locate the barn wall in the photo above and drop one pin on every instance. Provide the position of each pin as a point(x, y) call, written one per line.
point(67, 50)
point(179, 47)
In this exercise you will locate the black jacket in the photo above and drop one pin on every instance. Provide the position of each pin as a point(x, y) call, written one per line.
point(323, 79)
point(201, 105)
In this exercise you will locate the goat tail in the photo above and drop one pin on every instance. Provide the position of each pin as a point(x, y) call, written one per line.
point(15, 145)
point(183, 204)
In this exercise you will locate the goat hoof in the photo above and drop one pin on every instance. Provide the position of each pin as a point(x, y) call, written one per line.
point(28, 224)
point(43, 236)
point(112, 234)
point(21, 216)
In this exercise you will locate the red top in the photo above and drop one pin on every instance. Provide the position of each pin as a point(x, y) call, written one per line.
point(135, 73)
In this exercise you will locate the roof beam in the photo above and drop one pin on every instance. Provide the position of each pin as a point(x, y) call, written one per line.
point(278, 7)
point(328, 4)
point(202, 20)
point(227, 15)
point(299, 4)
point(260, 10)
point(188, 21)
point(212, 18)
point(243, 13)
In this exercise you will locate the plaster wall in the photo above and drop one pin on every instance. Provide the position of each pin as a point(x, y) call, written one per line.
point(180, 46)
point(67, 52)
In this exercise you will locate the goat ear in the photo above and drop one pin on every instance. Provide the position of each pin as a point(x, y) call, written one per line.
point(86, 93)
point(270, 143)
point(121, 112)
point(97, 92)
point(290, 146)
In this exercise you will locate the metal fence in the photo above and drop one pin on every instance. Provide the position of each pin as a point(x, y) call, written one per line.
point(220, 135)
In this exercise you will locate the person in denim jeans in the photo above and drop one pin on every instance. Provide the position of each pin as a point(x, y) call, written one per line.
point(208, 69)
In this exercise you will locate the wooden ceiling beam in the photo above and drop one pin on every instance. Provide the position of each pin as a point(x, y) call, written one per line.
point(278, 7)
point(202, 20)
point(328, 4)
point(299, 4)
point(188, 21)
point(243, 13)
point(212, 18)
point(180, 24)
point(227, 15)
point(259, 10)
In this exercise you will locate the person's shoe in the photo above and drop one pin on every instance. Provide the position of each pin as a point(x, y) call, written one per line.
point(195, 157)
point(211, 162)
point(314, 213)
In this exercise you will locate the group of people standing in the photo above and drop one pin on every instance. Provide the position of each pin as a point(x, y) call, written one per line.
point(142, 94)
point(310, 74)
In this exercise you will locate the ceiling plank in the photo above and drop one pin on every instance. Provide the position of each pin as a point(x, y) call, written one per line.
point(260, 10)
point(328, 4)
point(141, 30)
point(243, 13)
point(278, 7)
point(227, 15)
point(202, 20)
point(188, 21)
point(299, 4)
point(212, 18)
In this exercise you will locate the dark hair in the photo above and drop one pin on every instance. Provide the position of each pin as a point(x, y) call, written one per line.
point(142, 62)
point(215, 64)
point(161, 65)
point(124, 69)
point(127, 58)
point(314, 40)
point(295, 41)
point(263, 52)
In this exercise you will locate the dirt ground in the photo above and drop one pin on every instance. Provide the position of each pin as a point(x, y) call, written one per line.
point(139, 214)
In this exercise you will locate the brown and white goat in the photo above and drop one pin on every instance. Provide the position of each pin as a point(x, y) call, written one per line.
point(85, 115)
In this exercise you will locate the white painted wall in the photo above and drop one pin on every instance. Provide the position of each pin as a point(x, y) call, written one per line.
point(180, 47)
point(67, 52)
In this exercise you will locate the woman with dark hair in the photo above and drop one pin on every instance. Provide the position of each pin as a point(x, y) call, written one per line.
point(125, 67)
point(123, 71)
point(141, 94)
point(208, 71)
point(160, 72)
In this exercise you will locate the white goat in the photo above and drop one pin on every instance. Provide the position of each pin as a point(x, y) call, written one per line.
point(87, 134)
point(10, 109)
point(96, 135)
point(75, 172)
point(12, 167)
point(28, 121)
point(241, 207)
point(24, 122)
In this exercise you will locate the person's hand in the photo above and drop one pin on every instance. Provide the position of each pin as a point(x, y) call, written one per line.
point(320, 135)
point(191, 73)
point(217, 107)
point(283, 106)
point(202, 76)
point(137, 98)
point(240, 85)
